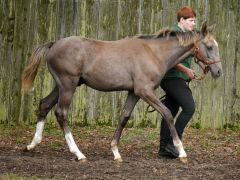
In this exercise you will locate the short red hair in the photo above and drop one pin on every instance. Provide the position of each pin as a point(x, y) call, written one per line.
point(185, 12)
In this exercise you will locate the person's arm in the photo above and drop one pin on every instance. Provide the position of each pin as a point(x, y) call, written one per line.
point(189, 72)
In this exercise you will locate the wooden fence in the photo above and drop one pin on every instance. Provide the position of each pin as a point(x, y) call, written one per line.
point(25, 24)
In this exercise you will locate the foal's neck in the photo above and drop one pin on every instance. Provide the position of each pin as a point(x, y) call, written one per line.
point(180, 55)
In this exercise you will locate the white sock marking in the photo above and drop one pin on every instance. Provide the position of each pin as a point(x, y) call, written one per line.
point(115, 150)
point(38, 135)
point(73, 147)
point(116, 153)
point(180, 148)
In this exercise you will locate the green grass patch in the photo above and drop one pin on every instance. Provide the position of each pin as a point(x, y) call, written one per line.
point(207, 144)
point(11, 176)
point(19, 140)
point(188, 148)
point(196, 125)
point(56, 144)
point(152, 136)
point(51, 129)
point(238, 150)
point(232, 126)
point(129, 135)
point(145, 136)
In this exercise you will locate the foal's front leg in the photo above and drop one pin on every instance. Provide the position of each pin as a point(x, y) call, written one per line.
point(130, 103)
point(148, 95)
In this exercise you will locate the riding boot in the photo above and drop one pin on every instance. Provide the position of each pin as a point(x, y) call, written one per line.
point(170, 148)
point(167, 149)
point(164, 136)
point(163, 143)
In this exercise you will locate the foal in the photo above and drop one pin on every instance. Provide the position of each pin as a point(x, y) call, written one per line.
point(135, 65)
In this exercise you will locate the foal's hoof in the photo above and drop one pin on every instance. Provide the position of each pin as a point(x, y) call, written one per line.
point(81, 160)
point(183, 160)
point(26, 149)
point(119, 160)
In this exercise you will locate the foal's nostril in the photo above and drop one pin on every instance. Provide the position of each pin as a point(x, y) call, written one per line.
point(216, 73)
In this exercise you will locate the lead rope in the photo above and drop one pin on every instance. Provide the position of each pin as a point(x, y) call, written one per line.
point(162, 99)
point(205, 69)
point(203, 63)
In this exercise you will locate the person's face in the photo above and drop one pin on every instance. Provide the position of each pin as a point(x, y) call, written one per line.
point(188, 24)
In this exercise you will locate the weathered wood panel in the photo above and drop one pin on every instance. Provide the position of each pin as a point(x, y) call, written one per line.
point(25, 24)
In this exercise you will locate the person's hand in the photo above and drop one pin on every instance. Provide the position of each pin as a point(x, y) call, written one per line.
point(190, 73)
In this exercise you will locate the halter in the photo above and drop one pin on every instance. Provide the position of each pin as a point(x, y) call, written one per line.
point(199, 59)
point(203, 61)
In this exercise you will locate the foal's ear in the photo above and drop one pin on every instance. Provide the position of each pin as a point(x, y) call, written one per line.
point(204, 28)
point(211, 28)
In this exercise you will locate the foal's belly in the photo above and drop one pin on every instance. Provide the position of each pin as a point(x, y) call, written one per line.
point(108, 81)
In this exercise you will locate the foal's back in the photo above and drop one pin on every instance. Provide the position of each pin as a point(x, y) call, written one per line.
point(102, 65)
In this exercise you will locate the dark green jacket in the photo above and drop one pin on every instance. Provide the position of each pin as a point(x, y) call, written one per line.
point(173, 73)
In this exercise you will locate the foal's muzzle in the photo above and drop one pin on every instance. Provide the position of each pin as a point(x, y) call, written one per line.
point(216, 70)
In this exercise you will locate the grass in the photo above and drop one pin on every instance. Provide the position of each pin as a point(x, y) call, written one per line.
point(188, 148)
point(19, 140)
point(140, 141)
point(206, 144)
point(56, 144)
point(141, 137)
point(13, 176)
point(10, 176)
point(238, 149)
point(232, 126)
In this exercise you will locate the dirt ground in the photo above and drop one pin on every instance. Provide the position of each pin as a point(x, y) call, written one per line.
point(212, 154)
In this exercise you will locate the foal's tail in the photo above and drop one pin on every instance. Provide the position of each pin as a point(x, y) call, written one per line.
point(31, 69)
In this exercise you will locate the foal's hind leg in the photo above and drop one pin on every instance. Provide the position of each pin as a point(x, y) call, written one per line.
point(149, 96)
point(45, 106)
point(130, 103)
point(65, 97)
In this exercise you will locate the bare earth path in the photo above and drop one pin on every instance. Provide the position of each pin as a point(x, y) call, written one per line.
point(212, 154)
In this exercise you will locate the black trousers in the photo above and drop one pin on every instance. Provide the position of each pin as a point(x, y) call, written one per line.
point(178, 94)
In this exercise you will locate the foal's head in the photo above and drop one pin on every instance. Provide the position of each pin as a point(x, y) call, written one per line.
point(205, 49)
point(208, 47)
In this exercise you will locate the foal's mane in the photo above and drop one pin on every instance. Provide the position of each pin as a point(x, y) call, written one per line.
point(184, 38)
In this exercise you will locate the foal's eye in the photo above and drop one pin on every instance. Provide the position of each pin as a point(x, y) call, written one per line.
point(209, 48)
